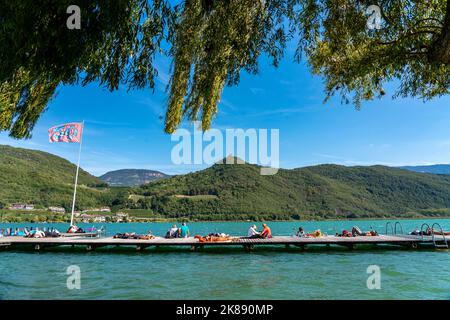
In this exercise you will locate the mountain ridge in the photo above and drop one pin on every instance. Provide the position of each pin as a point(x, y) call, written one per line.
point(323, 191)
point(232, 192)
point(434, 168)
point(131, 177)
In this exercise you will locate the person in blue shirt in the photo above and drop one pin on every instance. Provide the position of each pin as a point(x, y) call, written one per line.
point(184, 231)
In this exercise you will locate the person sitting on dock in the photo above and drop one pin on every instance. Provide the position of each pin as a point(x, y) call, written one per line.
point(253, 232)
point(184, 231)
point(53, 233)
point(72, 229)
point(316, 234)
point(301, 233)
point(357, 232)
point(173, 232)
point(266, 233)
point(345, 233)
point(214, 237)
point(444, 233)
point(36, 233)
point(148, 236)
point(20, 233)
point(75, 229)
point(429, 232)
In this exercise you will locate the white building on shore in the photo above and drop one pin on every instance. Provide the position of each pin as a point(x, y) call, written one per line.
point(57, 209)
point(21, 206)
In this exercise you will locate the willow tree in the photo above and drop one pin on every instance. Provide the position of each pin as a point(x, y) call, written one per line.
point(116, 44)
point(211, 42)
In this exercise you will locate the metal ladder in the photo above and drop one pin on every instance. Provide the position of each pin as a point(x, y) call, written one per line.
point(397, 223)
point(443, 246)
point(421, 229)
point(394, 228)
point(433, 236)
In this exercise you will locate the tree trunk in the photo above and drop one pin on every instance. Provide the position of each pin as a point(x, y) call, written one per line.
point(440, 49)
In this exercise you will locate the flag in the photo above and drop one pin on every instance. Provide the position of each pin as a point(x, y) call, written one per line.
point(69, 132)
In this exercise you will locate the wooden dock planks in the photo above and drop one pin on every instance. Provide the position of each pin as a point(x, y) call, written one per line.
point(92, 243)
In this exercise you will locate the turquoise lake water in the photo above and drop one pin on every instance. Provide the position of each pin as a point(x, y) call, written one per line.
point(229, 273)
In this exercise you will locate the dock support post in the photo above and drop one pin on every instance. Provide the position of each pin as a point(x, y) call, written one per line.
point(287, 246)
point(38, 247)
point(249, 247)
point(90, 247)
point(301, 246)
point(193, 247)
point(141, 247)
point(413, 245)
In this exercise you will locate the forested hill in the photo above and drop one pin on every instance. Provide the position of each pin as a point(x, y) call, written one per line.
point(231, 192)
point(324, 191)
point(43, 179)
point(131, 177)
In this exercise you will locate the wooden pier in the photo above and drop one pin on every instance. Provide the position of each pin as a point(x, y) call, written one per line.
point(92, 243)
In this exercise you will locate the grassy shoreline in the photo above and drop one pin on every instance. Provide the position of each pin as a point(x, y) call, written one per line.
point(47, 217)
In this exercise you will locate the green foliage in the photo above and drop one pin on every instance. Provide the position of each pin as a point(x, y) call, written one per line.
point(444, 212)
point(226, 192)
point(117, 43)
point(34, 216)
point(211, 42)
point(412, 46)
point(214, 40)
point(327, 191)
point(42, 179)
point(131, 177)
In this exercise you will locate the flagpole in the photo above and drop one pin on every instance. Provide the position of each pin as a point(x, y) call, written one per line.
point(76, 176)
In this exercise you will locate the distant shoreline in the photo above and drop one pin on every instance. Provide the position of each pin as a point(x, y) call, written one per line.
point(233, 221)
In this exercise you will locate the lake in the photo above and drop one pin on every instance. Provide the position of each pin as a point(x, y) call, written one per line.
point(228, 273)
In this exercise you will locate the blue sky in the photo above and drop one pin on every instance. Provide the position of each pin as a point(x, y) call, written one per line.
point(124, 130)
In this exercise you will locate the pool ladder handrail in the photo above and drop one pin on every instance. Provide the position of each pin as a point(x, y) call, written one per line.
point(433, 237)
point(397, 223)
point(443, 246)
point(421, 229)
point(394, 228)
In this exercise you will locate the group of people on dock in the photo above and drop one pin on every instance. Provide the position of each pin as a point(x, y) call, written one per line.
point(254, 233)
point(36, 232)
point(180, 232)
point(175, 232)
point(184, 232)
point(30, 232)
point(356, 231)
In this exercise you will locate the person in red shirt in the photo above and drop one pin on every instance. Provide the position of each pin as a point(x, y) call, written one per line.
point(266, 233)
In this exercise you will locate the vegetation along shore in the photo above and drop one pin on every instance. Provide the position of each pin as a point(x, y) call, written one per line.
point(218, 193)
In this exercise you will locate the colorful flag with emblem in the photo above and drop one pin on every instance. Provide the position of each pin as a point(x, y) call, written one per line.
point(69, 132)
